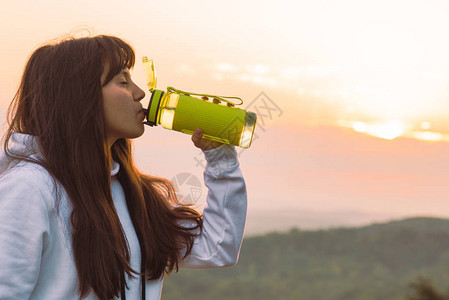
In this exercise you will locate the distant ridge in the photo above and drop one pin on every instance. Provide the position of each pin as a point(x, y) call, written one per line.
point(417, 223)
point(376, 261)
point(262, 221)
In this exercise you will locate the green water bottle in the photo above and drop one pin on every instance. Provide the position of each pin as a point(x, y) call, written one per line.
point(216, 116)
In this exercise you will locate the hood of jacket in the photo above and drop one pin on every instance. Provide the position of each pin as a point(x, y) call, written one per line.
point(28, 145)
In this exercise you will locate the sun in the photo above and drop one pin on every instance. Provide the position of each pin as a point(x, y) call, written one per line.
point(388, 130)
point(389, 65)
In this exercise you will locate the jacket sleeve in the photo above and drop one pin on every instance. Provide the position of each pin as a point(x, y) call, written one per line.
point(24, 228)
point(224, 216)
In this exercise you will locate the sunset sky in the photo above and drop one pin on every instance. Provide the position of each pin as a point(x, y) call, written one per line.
point(352, 96)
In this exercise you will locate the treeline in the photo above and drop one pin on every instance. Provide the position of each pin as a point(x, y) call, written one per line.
point(381, 261)
point(423, 289)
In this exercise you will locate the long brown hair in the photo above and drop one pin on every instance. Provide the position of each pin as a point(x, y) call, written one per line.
point(59, 100)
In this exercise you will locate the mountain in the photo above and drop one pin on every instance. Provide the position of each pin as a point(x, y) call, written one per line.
point(378, 261)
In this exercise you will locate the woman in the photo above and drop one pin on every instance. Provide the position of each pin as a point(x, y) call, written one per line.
point(77, 220)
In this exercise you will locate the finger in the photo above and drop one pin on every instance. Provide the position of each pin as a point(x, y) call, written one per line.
point(199, 133)
point(196, 137)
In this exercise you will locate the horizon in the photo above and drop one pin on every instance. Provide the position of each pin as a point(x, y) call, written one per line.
point(343, 226)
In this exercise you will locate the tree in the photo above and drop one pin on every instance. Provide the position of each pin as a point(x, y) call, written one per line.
point(423, 289)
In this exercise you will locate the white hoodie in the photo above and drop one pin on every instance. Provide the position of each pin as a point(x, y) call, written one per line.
point(36, 259)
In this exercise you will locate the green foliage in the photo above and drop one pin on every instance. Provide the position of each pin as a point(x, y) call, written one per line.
point(423, 289)
point(373, 262)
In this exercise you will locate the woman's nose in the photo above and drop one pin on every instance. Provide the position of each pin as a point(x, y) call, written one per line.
point(139, 94)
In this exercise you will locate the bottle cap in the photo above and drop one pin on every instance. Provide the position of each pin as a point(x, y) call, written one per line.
point(153, 107)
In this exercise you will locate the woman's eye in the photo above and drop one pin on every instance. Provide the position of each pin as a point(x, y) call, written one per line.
point(123, 82)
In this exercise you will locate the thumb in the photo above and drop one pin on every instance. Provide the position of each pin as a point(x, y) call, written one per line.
point(196, 137)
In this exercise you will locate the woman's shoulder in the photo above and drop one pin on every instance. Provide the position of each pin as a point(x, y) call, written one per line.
point(27, 172)
point(27, 208)
point(27, 180)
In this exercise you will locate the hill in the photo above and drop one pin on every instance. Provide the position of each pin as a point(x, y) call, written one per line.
point(371, 262)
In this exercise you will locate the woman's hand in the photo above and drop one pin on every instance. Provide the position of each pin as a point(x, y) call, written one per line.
point(204, 144)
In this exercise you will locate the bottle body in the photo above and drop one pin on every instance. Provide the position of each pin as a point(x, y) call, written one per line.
point(219, 122)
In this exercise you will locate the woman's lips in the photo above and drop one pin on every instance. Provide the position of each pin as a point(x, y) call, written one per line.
point(141, 114)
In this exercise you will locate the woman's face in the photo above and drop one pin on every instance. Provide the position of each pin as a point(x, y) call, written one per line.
point(122, 108)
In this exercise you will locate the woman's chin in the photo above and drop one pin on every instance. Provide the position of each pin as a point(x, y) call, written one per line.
point(140, 132)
